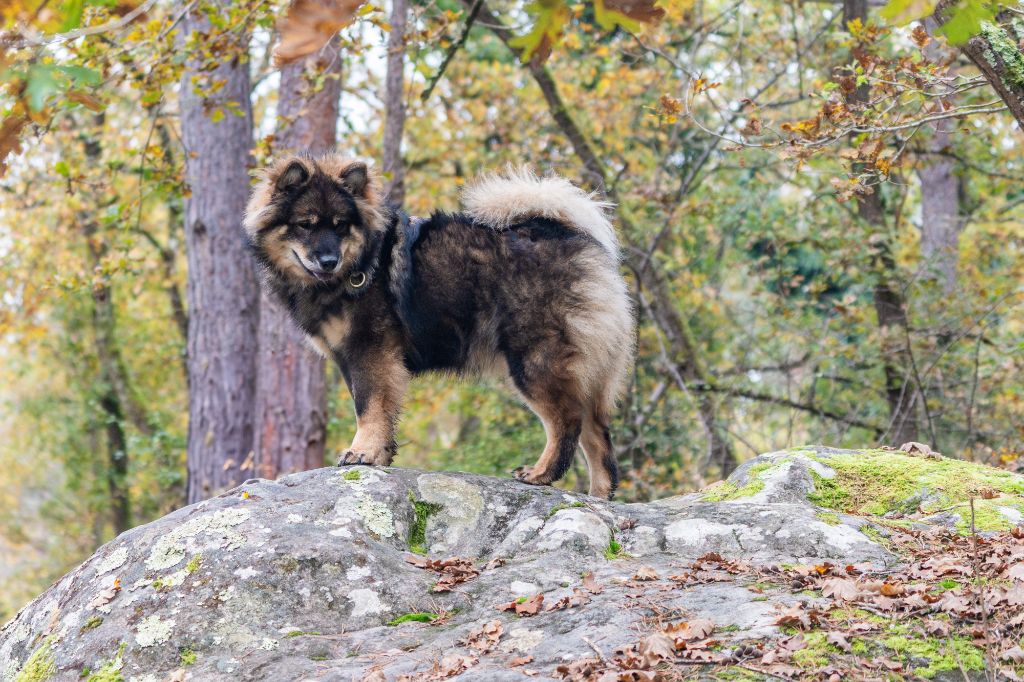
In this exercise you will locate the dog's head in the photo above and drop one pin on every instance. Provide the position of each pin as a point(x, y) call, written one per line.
point(315, 220)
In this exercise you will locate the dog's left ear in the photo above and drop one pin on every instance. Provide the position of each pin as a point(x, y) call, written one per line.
point(355, 179)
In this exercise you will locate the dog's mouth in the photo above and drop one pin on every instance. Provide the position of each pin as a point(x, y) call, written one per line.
point(319, 275)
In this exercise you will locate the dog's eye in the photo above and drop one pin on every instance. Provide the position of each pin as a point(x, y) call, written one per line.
point(303, 224)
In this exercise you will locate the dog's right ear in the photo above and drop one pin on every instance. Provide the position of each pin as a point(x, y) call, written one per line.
point(294, 176)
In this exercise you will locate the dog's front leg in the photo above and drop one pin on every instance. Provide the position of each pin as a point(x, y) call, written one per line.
point(377, 381)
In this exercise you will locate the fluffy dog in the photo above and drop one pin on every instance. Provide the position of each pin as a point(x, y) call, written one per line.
point(523, 284)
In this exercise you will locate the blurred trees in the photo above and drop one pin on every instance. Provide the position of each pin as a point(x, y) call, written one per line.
point(821, 217)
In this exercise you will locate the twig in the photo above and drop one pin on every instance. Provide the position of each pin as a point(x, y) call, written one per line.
point(473, 11)
point(989, 659)
point(88, 31)
point(600, 656)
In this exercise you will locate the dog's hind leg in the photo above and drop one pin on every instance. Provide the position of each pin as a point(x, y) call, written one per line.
point(563, 420)
point(597, 444)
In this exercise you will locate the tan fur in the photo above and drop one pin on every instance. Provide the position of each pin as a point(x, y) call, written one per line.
point(499, 200)
point(374, 441)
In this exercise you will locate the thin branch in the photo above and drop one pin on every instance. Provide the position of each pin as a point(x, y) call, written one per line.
point(473, 12)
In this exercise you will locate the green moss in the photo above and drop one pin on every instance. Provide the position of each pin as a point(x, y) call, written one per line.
point(302, 633)
point(418, 617)
point(187, 657)
point(351, 475)
point(559, 507)
point(928, 656)
point(817, 652)
point(418, 532)
point(318, 657)
point(110, 671)
point(92, 623)
point(735, 674)
point(876, 482)
point(41, 665)
point(1001, 45)
point(828, 517)
point(193, 564)
point(724, 491)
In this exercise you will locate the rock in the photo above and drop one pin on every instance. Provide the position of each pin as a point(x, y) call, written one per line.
point(300, 578)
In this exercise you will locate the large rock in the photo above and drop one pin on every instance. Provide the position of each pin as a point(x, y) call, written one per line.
point(300, 578)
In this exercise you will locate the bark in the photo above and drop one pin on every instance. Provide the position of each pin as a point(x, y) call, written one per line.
point(223, 292)
point(941, 221)
point(720, 453)
point(291, 394)
point(997, 54)
point(890, 306)
point(394, 102)
point(941, 189)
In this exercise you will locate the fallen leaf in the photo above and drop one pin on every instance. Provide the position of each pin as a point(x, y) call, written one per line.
point(838, 640)
point(646, 573)
point(591, 585)
point(520, 660)
point(842, 589)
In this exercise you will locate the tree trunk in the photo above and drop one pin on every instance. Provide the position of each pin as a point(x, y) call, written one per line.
point(941, 221)
point(223, 293)
point(291, 392)
point(394, 103)
point(890, 306)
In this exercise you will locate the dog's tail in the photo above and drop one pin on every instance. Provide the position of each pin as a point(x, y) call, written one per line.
point(502, 199)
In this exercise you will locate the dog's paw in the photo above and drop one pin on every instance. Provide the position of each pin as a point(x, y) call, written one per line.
point(371, 457)
point(531, 475)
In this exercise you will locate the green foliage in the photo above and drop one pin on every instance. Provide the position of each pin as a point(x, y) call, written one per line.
point(964, 19)
point(110, 671)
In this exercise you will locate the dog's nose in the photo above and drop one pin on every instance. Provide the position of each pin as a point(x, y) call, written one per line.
point(327, 261)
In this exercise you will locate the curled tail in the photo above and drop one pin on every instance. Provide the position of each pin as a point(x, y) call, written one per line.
point(502, 199)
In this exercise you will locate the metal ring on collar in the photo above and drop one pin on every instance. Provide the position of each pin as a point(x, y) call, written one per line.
point(357, 280)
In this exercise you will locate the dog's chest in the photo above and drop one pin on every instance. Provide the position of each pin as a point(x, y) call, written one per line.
point(334, 328)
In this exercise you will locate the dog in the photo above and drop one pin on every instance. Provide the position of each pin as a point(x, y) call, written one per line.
point(523, 284)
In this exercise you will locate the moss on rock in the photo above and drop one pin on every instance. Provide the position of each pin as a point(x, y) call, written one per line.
point(41, 665)
point(878, 482)
point(724, 491)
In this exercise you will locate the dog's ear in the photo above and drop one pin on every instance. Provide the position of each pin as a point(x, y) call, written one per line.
point(355, 178)
point(294, 176)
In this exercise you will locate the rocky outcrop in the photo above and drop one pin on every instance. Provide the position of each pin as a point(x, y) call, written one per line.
point(340, 574)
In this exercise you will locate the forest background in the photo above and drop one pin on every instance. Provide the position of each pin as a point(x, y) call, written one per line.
point(820, 205)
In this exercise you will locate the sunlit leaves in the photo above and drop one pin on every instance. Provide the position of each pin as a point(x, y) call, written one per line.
point(962, 20)
point(551, 19)
point(629, 14)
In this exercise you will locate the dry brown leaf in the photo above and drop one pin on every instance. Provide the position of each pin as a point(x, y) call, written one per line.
point(591, 585)
point(309, 24)
point(646, 573)
point(841, 589)
point(485, 638)
point(10, 137)
point(838, 640)
point(656, 648)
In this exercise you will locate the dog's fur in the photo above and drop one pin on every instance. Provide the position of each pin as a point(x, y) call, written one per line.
point(523, 284)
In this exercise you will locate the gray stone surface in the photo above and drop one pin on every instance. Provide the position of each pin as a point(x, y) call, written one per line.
point(298, 578)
